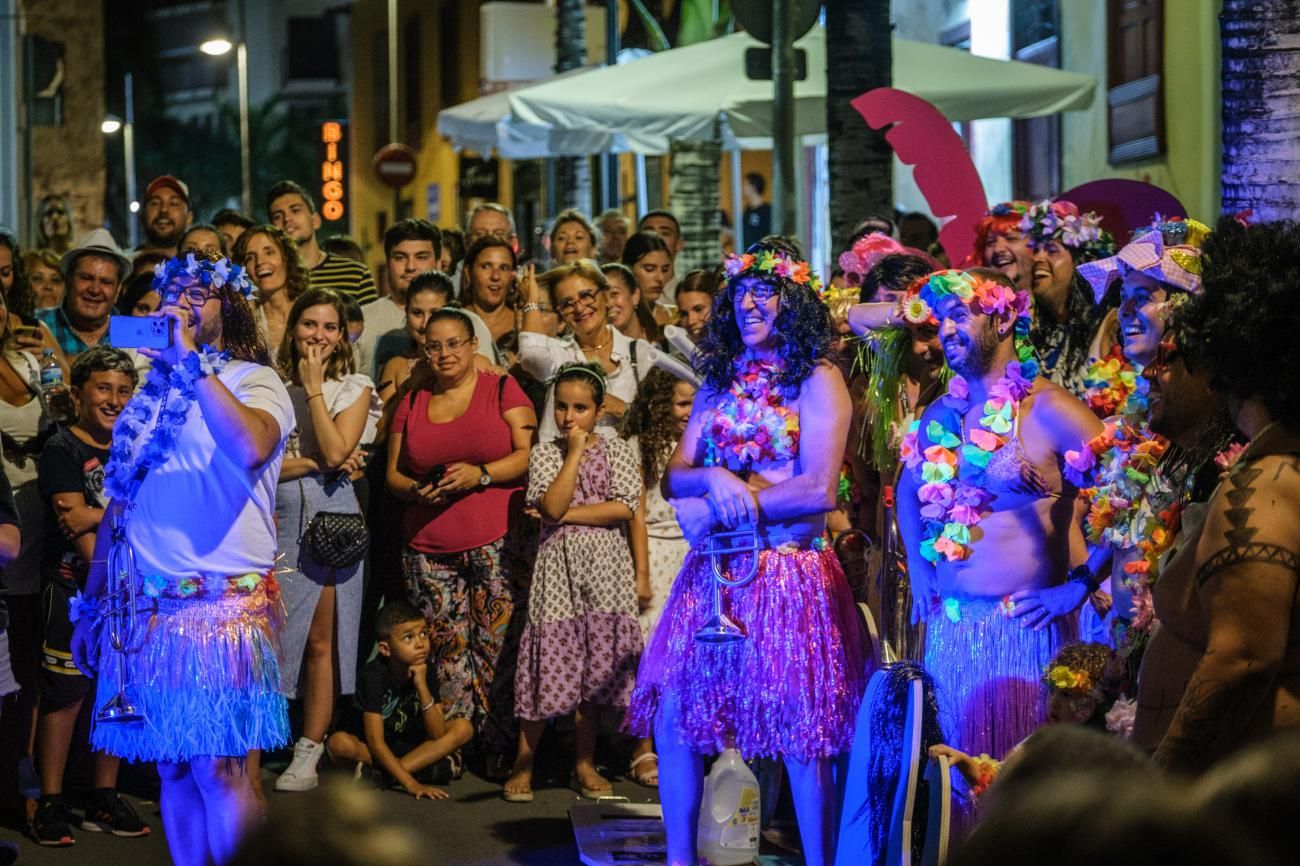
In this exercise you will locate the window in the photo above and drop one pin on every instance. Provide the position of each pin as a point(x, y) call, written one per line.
point(1036, 142)
point(313, 49)
point(1135, 85)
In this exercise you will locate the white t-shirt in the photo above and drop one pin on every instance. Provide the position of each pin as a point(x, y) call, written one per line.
point(200, 512)
point(382, 315)
point(541, 356)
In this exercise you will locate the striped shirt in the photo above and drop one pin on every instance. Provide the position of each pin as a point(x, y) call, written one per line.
point(348, 278)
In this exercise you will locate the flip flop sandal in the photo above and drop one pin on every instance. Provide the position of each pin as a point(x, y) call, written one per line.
point(590, 793)
point(649, 778)
point(517, 796)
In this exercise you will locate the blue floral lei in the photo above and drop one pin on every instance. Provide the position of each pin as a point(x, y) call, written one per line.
point(167, 393)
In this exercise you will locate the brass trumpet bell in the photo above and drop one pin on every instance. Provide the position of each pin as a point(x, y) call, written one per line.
point(721, 629)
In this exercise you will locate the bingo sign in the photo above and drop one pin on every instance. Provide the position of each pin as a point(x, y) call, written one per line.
point(333, 135)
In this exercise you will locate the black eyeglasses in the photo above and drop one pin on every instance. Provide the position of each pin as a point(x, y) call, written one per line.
point(760, 291)
point(586, 297)
point(196, 293)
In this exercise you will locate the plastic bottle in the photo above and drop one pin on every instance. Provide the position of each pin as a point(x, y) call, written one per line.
point(51, 373)
point(729, 813)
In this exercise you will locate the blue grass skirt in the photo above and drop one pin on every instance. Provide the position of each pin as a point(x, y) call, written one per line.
point(203, 669)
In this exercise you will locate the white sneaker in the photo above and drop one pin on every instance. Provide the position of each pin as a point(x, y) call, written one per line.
point(301, 775)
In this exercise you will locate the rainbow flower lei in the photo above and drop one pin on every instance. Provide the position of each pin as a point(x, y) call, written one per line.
point(1115, 385)
point(167, 395)
point(749, 425)
point(772, 262)
point(952, 470)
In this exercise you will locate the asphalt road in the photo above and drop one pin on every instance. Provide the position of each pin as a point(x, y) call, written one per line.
point(474, 827)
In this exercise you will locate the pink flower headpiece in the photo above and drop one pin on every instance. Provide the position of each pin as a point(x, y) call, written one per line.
point(865, 253)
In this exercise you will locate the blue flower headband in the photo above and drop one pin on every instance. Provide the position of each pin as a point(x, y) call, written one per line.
point(218, 274)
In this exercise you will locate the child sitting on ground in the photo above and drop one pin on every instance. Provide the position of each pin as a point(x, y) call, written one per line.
point(401, 729)
point(1080, 691)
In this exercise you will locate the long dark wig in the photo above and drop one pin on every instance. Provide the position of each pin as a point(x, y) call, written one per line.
point(803, 325)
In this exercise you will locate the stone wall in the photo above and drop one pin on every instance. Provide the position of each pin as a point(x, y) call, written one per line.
point(69, 159)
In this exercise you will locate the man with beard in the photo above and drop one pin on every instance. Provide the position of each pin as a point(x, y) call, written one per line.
point(990, 524)
point(292, 210)
point(166, 214)
point(93, 272)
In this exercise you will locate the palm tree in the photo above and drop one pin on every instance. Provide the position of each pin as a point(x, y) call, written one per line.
point(859, 57)
point(1261, 163)
point(693, 171)
point(572, 173)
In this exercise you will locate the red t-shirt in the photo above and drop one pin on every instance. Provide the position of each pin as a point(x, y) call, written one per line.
point(479, 436)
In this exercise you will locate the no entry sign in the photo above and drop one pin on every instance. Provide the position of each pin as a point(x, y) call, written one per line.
point(395, 165)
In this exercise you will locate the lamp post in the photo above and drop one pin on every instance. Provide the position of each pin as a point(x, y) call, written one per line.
point(218, 48)
point(110, 126)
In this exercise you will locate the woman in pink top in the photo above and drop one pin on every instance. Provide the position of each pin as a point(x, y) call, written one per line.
point(458, 455)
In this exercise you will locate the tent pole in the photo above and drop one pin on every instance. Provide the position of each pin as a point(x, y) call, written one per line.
point(609, 161)
point(642, 194)
point(737, 202)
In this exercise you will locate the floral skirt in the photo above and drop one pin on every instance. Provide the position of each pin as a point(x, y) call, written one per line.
point(204, 672)
point(791, 687)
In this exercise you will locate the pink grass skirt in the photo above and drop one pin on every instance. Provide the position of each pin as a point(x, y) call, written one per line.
point(791, 687)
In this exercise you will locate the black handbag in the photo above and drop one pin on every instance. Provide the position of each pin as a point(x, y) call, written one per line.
point(336, 540)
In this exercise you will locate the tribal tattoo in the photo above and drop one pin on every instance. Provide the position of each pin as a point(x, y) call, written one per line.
point(1241, 547)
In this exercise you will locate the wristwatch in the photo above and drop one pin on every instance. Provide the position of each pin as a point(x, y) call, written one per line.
point(1082, 574)
point(484, 479)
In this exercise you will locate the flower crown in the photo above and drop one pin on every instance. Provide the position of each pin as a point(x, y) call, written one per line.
point(222, 272)
point(1009, 208)
point(865, 253)
point(1070, 679)
point(987, 297)
point(1061, 221)
point(773, 262)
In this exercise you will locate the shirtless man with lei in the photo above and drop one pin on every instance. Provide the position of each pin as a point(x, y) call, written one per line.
point(992, 527)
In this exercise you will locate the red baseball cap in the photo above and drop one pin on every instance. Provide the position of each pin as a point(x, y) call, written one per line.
point(169, 181)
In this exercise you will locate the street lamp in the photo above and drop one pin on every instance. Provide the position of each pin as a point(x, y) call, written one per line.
point(110, 126)
point(218, 48)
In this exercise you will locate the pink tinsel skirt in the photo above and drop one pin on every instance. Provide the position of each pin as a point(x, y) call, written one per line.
point(791, 687)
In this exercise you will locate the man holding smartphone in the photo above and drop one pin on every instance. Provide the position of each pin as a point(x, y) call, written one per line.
point(202, 667)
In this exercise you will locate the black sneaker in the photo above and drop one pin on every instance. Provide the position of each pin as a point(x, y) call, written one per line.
point(439, 773)
point(110, 813)
point(50, 824)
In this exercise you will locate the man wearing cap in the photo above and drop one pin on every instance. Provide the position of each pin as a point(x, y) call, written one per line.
point(166, 214)
point(93, 272)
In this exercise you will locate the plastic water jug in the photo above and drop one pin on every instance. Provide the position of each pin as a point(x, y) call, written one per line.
point(729, 813)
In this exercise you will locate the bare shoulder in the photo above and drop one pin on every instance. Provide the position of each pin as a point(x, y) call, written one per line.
point(825, 383)
point(1061, 415)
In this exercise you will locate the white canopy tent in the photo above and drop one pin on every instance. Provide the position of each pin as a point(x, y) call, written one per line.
point(484, 125)
point(683, 93)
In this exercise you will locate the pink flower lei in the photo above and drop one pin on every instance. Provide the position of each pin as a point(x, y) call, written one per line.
point(749, 425)
point(953, 490)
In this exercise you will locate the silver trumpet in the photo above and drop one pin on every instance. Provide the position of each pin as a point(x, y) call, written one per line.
point(721, 629)
point(120, 620)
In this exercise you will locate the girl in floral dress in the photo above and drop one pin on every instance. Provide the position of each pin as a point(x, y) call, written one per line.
point(581, 643)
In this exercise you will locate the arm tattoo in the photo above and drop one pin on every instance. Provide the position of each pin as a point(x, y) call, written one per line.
point(1241, 547)
point(1263, 554)
point(1208, 723)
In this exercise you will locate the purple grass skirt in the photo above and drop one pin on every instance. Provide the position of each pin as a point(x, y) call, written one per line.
point(792, 687)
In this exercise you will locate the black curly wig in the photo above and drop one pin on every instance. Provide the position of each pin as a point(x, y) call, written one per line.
point(1248, 308)
point(803, 323)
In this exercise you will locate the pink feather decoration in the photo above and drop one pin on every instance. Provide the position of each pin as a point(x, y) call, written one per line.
point(922, 137)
